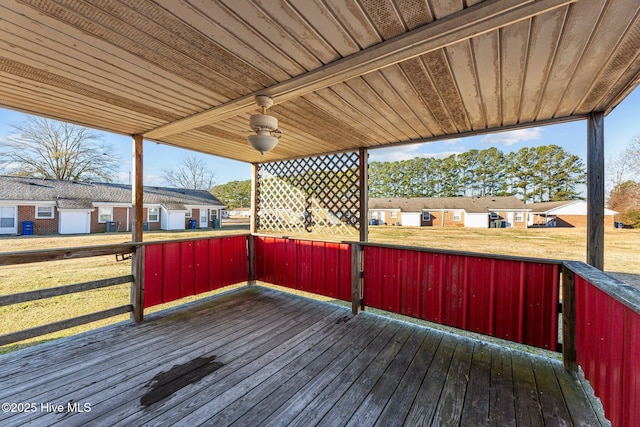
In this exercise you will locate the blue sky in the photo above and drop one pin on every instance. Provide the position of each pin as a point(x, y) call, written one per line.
point(620, 127)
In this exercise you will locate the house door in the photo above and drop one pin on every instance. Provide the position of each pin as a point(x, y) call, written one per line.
point(510, 217)
point(204, 218)
point(8, 220)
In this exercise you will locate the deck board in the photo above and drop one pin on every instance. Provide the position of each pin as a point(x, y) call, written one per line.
point(256, 356)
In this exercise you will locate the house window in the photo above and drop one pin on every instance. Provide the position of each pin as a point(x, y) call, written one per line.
point(105, 214)
point(456, 216)
point(394, 214)
point(153, 215)
point(519, 217)
point(44, 212)
point(188, 214)
point(426, 216)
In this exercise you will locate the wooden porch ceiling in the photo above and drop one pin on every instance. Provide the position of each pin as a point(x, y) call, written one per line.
point(260, 357)
point(343, 74)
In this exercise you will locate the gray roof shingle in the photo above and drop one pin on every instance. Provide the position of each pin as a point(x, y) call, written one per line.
point(80, 195)
point(468, 204)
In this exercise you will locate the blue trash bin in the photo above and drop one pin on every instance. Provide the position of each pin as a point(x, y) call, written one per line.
point(27, 228)
point(192, 224)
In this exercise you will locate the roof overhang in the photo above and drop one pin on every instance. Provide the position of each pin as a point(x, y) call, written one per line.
point(343, 75)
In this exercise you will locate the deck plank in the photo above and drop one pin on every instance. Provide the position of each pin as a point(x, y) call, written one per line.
point(57, 375)
point(476, 406)
point(528, 409)
point(400, 402)
point(272, 394)
point(256, 356)
point(233, 354)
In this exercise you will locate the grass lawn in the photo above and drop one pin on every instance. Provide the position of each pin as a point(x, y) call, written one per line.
point(620, 256)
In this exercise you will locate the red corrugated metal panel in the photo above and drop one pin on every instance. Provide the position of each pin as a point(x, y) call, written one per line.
point(187, 269)
point(608, 349)
point(174, 270)
point(317, 267)
point(511, 299)
point(171, 272)
point(201, 267)
point(152, 275)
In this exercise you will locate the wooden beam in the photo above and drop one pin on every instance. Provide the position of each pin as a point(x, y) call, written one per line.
point(481, 18)
point(253, 218)
point(595, 190)
point(63, 324)
point(137, 260)
point(364, 194)
point(27, 257)
point(251, 258)
point(356, 278)
point(569, 355)
point(63, 290)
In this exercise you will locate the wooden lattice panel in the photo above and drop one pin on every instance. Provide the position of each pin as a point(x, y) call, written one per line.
point(317, 194)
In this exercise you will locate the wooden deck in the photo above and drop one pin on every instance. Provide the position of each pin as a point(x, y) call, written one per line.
point(259, 357)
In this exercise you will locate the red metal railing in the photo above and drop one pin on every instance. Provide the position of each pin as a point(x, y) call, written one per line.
point(510, 298)
point(318, 267)
point(607, 341)
point(174, 270)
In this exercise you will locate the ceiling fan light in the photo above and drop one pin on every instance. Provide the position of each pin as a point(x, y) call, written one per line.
point(262, 143)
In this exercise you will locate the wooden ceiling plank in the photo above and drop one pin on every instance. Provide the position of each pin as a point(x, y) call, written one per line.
point(297, 28)
point(327, 26)
point(580, 20)
point(112, 61)
point(329, 99)
point(479, 19)
point(486, 53)
point(443, 8)
point(542, 53)
point(609, 32)
point(389, 93)
point(418, 114)
point(515, 46)
point(430, 97)
point(74, 71)
point(94, 21)
point(441, 75)
point(616, 68)
point(371, 104)
point(355, 21)
point(263, 24)
point(464, 70)
point(270, 63)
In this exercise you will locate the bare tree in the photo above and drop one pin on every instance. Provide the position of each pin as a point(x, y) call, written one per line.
point(45, 148)
point(626, 165)
point(191, 173)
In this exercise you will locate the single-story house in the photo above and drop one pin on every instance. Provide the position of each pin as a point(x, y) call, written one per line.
point(49, 206)
point(568, 213)
point(473, 212)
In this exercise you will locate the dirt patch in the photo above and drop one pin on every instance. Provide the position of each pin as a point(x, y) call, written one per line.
point(165, 384)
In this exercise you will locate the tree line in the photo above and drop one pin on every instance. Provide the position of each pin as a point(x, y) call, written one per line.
point(534, 174)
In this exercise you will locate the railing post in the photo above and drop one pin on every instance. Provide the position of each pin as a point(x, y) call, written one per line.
point(356, 278)
point(137, 286)
point(569, 356)
point(251, 247)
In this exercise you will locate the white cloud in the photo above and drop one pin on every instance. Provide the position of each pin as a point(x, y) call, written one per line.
point(512, 137)
point(441, 154)
point(394, 154)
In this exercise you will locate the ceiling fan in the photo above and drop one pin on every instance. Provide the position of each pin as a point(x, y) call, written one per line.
point(265, 126)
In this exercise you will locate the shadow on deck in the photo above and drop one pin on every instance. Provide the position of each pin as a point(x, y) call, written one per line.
point(260, 357)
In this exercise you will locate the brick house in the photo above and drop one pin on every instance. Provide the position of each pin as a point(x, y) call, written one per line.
point(48, 206)
point(472, 212)
point(567, 213)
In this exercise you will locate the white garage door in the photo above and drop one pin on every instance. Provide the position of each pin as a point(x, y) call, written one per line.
point(8, 220)
point(74, 222)
point(411, 219)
